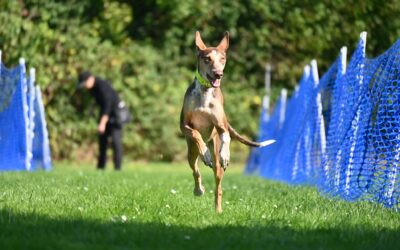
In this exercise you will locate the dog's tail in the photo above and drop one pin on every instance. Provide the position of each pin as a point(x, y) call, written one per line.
point(235, 135)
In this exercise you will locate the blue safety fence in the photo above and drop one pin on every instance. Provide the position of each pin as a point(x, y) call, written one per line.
point(340, 133)
point(24, 143)
point(41, 156)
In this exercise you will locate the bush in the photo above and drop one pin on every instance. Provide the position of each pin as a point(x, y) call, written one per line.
point(146, 48)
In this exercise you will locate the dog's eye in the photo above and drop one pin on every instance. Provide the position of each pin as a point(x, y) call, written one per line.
point(207, 60)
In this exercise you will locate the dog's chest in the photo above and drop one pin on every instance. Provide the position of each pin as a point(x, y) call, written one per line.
point(203, 101)
point(202, 104)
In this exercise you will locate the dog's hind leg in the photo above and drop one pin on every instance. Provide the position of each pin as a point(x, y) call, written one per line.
point(193, 155)
point(218, 174)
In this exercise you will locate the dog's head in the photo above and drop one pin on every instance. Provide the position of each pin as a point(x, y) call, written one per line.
point(211, 60)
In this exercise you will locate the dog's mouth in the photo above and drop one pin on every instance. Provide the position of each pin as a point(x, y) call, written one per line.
point(215, 82)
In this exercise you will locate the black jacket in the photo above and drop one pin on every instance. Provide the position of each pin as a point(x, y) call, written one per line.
point(105, 97)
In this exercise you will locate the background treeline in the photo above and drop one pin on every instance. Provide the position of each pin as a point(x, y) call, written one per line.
point(147, 49)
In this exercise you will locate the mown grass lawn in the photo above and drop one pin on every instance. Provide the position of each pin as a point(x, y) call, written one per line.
point(151, 206)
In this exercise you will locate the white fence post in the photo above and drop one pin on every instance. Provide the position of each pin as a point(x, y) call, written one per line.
point(296, 166)
point(314, 72)
point(309, 138)
point(31, 125)
point(355, 123)
point(343, 60)
point(24, 90)
point(282, 112)
point(45, 144)
point(267, 97)
point(341, 72)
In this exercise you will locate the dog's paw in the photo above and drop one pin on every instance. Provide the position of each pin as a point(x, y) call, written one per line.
point(199, 191)
point(225, 156)
point(206, 157)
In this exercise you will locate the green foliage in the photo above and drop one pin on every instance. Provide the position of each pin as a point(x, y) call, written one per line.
point(146, 49)
point(73, 207)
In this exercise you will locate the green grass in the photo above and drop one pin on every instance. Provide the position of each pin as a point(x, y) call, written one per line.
point(76, 207)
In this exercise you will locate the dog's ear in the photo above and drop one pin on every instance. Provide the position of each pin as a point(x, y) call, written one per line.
point(224, 44)
point(199, 42)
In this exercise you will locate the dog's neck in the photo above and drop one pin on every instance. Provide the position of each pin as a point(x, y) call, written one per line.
point(200, 88)
point(202, 81)
point(205, 94)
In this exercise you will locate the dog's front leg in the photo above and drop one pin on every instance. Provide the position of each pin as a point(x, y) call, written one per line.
point(201, 145)
point(225, 152)
point(221, 124)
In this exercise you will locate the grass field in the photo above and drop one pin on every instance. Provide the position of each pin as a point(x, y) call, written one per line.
point(151, 206)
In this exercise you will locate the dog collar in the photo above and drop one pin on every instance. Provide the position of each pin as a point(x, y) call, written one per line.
point(203, 82)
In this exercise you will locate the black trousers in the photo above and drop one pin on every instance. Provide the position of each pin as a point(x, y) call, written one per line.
point(113, 133)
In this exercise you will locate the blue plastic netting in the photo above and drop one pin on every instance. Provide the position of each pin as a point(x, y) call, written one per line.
point(13, 119)
point(41, 145)
point(341, 133)
point(23, 133)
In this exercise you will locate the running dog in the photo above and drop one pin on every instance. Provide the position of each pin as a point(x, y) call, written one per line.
point(203, 120)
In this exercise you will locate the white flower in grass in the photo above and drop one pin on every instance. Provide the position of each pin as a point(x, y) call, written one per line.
point(86, 189)
point(234, 187)
point(173, 191)
point(167, 206)
point(275, 206)
point(80, 209)
point(124, 218)
point(263, 216)
point(187, 237)
point(227, 202)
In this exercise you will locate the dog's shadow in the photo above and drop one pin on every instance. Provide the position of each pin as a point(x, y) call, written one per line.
point(33, 231)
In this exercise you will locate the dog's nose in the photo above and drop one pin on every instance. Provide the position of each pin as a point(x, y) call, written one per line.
point(218, 74)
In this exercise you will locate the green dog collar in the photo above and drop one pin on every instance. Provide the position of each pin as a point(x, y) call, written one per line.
point(203, 82)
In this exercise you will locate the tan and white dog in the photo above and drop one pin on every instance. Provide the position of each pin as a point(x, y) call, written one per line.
point(203, 120)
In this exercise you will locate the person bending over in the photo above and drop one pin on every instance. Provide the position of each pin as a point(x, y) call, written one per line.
point(108, 128)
